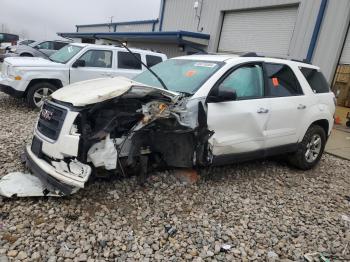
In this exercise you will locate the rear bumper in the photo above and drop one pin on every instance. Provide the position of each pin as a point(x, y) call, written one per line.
point(11, 91)
point(47, 174)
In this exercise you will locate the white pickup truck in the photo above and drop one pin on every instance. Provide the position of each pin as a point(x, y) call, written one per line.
point(36, 78)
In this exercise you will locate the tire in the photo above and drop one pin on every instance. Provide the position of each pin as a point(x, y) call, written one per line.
point(38, 92)
point(310, 149)
point(26, 55)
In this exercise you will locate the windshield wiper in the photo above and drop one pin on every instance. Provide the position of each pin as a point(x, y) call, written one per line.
point(148, 68)
point(184, 93)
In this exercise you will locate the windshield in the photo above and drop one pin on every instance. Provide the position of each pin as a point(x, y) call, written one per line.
point(65, 54)
point(180, 75)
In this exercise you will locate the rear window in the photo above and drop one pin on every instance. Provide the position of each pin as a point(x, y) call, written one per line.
point(128, 61)
point(153, 60)
point(316, 80)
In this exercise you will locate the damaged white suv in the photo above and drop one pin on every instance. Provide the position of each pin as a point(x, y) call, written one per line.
point(197, 111)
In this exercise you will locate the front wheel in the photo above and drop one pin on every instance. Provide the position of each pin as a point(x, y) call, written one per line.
point(310, 149)
point(38, 93)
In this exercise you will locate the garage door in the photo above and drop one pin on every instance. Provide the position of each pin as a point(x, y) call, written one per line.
point(345, 56)
point(267, 31)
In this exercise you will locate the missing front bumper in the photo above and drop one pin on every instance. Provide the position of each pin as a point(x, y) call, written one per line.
point(46, 173)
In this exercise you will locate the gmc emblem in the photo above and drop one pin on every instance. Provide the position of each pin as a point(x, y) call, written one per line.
point(46, 114)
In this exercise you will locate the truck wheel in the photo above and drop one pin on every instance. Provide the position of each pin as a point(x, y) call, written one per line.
point(310, 148)
point(37, 94)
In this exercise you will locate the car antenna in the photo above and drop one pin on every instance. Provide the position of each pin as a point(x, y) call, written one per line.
point(127, 48)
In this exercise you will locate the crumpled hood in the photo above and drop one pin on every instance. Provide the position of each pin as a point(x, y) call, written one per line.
point(31, 62)
point(98, 90)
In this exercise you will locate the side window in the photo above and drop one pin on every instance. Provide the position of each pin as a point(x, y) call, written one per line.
point(153, 60)
point(97, 58)
point(281, 81)
point(316, 80)
point(45, 45)
point(59, 45)
point(128, 61)
point(247, 81)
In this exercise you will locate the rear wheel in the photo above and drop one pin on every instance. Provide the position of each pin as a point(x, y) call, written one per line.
point(38, 93)
point(310, 149)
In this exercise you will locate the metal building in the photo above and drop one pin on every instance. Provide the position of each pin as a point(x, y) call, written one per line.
point(314, 30)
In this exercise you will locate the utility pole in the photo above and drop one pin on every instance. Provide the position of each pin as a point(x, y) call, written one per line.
point(110, 24)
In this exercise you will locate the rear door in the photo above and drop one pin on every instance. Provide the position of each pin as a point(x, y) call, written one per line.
point(239, 125)
point(287, 105)
point(128, 65)
point(98, 64)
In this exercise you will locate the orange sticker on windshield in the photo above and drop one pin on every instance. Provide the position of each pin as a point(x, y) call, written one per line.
point(275, 81)
point(191, 73)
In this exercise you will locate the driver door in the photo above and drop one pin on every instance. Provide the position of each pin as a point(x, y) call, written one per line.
point(239, 126)
point(97, 64)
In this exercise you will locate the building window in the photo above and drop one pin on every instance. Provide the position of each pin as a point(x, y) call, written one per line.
point(152, 60)
point(281, 81)
point(128, 61)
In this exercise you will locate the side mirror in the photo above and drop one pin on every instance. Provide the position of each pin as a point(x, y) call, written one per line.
point(222, 96)
point(79, 63)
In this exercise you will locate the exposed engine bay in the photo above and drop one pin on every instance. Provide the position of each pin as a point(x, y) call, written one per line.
point(134, 133)
point(142, 131)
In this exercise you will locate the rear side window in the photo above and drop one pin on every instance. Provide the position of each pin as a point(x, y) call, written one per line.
point(153, 60)
point(316, 80)
point(281, 81)
point(128, 61)
point(59, 45)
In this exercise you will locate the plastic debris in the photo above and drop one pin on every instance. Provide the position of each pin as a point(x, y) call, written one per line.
point(170, 230)
point(225, 248)
point(22, 185)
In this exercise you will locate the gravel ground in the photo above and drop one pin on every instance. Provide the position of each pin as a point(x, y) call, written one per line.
point(262, 209)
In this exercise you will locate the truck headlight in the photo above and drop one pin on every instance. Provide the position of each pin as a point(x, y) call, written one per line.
point(14, 73)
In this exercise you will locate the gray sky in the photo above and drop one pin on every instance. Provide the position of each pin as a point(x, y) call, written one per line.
point(41, 19)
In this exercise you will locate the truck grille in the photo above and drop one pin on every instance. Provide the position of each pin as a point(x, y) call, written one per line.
point(51, 120)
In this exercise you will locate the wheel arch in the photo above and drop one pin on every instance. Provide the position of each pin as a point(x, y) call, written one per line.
point(53, 81)
point(26, 54)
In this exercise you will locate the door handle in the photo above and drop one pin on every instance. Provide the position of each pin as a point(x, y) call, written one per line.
point(300, 106)
point(262, 111)
point(107, 74)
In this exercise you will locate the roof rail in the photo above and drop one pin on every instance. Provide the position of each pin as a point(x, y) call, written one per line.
point(250, 54)
point(305, 61)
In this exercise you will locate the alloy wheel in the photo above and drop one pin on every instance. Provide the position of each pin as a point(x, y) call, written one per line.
point(313, 148)
point(41, 95)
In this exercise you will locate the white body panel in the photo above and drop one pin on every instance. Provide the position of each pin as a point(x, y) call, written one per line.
point(237, 125)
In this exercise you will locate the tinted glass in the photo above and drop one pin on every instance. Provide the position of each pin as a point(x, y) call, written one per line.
point(97, 58)
point(59, 45)
point(247, 81)
point(316, 80)
point(281, 81)
point(65, 54)
point(45, 45)
point(128, 61)
point(180, 75)
point(153, 60)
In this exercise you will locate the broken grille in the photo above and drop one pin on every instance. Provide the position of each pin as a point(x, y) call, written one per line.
point(51, 120)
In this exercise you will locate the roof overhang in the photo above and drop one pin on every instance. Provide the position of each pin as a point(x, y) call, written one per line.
point(176, 37)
